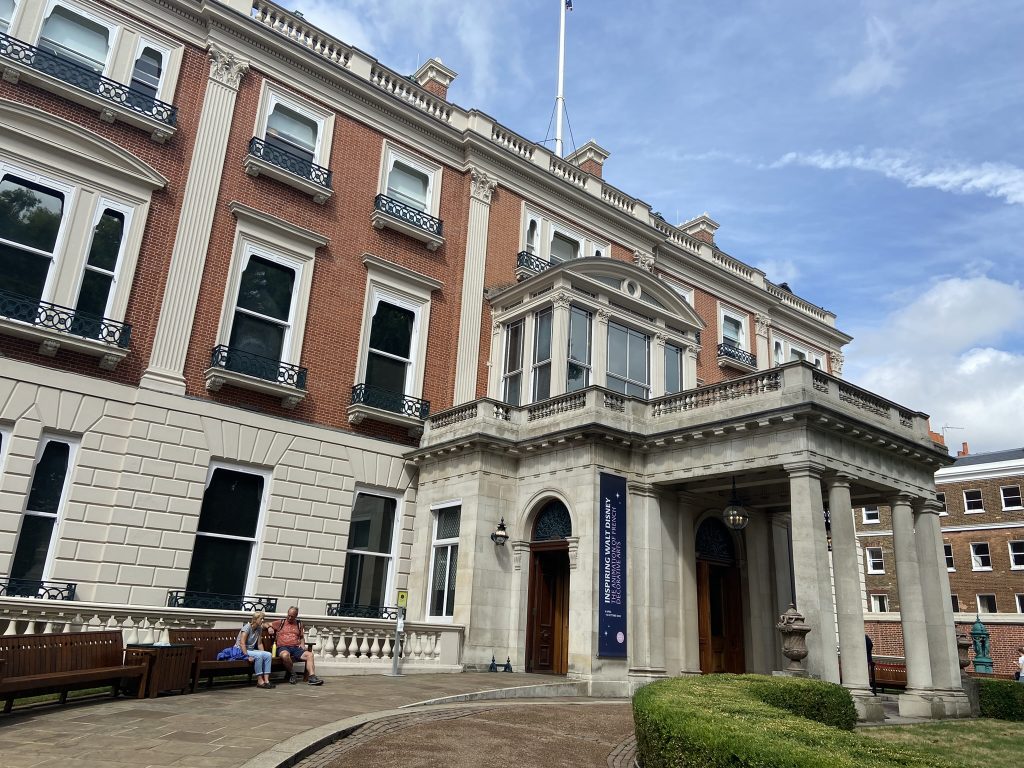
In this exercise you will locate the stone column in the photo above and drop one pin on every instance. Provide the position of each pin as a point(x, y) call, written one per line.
point(782, 574)
point(646, 582)
point(689, 510)
point(760, 634)
point(192, 240)
point(762, 324)
point(599, 347)
point(559, 342)
point(811, 569)
point(689, 367)
point(468, 353)
point(657, 367)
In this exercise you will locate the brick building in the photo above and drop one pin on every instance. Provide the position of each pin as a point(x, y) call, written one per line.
point(280, 323)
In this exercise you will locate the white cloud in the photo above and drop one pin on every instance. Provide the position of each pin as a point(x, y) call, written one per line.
point(878, 69)
point(779, 270)
point(956, 353)
point(1000, 180)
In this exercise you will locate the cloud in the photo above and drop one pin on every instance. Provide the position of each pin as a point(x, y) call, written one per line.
point(954, 352)
point(779, 270)
point(1000, 180)
point(878, 69)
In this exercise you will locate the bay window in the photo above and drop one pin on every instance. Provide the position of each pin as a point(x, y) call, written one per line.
point(32, 212)
point(578, 372)
point(673, 369)
point(628, 361)
point(542, 355)
point(369, 563)
point(512, 379)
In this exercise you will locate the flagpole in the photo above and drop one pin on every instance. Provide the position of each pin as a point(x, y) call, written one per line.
point(560, 99)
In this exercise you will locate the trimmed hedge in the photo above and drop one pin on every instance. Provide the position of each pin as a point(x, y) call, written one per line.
point(757, 721)
point(1001, 699)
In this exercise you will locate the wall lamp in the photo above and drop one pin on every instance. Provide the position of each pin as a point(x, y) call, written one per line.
point(500, 535)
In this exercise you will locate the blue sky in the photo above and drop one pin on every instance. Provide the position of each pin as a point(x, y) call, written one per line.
point(868, 152)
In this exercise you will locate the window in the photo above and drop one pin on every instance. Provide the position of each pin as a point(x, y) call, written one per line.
point(973, 502)
point(368, 563)
point(263, 311)
point(6, 14)
point(389, 360)
point(1011, 496)
point(941, 498)
point(628, 369)
point(230, 520)
point(31, 218)
point(673, 369)
point(47, 495)
point(955, 600)
point(981, 559)
point(444, 561)
point(1020, 602)
point(147, 71)
point(96, 291)
point(987, 604)
point(786, 351)
point(542, 355)
point(556, 242)
point(1016, 555)
point(408, 185)
point(75, 38)
point(563, 248)
point(869, 515)
point(685, 293)
point(578, 370)
point(874, 559)
point(879, 603)
point(512, 380)
point(948, 550)
point(292, 132)
point(732, 331)
point(531, 237)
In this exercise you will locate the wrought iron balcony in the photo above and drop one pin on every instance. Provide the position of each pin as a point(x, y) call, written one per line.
point(386, 400)
point(727, 353)
point(289, 161)
point(260, 367)
point(43, 314)
point(527, 262)
point(353, 611)
point(87, 80)
point(46, 590)
point(409, 215)
point(217, 602)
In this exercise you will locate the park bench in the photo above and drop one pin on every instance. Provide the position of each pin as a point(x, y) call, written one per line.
point(210, 642)
point(889, 674)
point(59, 663)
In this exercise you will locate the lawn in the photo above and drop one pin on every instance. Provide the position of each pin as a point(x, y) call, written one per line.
point(970, 743)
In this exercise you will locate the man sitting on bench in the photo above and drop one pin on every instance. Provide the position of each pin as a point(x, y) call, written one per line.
point(290, 637)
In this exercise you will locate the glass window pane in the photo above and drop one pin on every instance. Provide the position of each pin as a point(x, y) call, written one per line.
point(514, 347)
point(542, 382)
point(638, 357)
point(74, 37)
point(636, 390)
point(23, 273)
point(732, 331)
point(220, 566)
point(48, 478)
point(542, 337)
point(106, 240)
point(796, 354)
point(33, 546)
point(391, 330)
point(92, 298)
point(453, 561)
point(373, 519)
point(386, 373)
point(448, 523)
point(266, 288)
point(256, 336)
point(577, 377)
point(366, 579)
point(6, 13)
point(579, 335)
point(291, 131)
point(439, 581)
point(673, 369)
point(617, 345)
point(616, 384)
point(231, 503)
point(147, 71)
point(563, 248)
point(30, 214)
point(513, 389)
point(409, 186)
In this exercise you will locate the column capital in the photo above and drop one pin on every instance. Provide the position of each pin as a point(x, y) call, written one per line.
point(640, 488)
point(900, 499)
point(226, 68)
point(927, 507)
point(762, 323)
point(481, 186)
point(839, 480)
point(562, 300)
point(805, 469)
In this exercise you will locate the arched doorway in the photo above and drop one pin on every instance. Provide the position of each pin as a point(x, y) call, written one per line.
point(719, 603)
point(547, 623)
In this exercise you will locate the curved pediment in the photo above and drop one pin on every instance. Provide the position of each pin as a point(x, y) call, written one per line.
point(68, 145)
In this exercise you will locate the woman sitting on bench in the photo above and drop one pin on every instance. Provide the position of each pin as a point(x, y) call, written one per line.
point(249, 642)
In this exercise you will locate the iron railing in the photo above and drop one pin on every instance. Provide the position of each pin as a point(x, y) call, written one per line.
point(527, 260)
point(43, 314)
point(87, 80)
point(47, 590)
point(386, 400)
point(289, 161)
point(353, 611)
point(258, 366)
point(408, 214)
point(739, 355)
point(177, 598)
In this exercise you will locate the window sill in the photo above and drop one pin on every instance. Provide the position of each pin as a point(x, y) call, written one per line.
point(217, 377)
point(974, 511)
point(876, 573)
point(1013, 509)
point(51, 341)
point(987, 568)
point(358, 412)
point(381, 220)
point(255, 166)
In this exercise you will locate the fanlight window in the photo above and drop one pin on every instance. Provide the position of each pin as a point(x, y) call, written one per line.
point(553, 522)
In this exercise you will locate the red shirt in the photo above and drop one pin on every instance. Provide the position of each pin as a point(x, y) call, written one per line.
point(286, 633)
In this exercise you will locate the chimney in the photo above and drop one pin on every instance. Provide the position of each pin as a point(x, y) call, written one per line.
point(703, 228)
point(589, 158)
point(963, 451)
point(435, 77)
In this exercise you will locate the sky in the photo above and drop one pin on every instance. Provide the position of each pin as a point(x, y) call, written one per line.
point(867, 152)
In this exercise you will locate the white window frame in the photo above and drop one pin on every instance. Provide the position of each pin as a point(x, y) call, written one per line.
point(436, 544)
point(947, 550)
point(548, 226)
point(981, 498)
point(629, 328)
point(870, 515)
point(685, 292)
point(14, 17)
point(810, 354)
point(870, 561)
point(549, 361)
point(166, 52)
point(995, 604)
point(879, 603)
point(507, 374)
point(272, 95)
point(113, 40)
point(393, 153)
point(1002, 497)
point(588, 365)
point(682, 368)
point(1019, 599)
point(940, 497)
point(1016, 565)
point(102, 205)
point(725, 311)
point(976, 556)
point(396, 538)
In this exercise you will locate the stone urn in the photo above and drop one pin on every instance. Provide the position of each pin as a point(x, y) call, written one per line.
point(794, 643)
point(963, 647)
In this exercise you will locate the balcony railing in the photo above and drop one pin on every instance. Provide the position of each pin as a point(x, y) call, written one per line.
point(741, 356)
point(527, 260)
point(87, 80)
point(409, 215)
point(45, 590)
point(386, 400)
point(353, 611)
point(289, 161)
point(43, 314)
point(260, 367)
point(217, 602)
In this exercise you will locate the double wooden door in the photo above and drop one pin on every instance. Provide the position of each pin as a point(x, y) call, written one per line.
point(547, 628)
point(719, 617)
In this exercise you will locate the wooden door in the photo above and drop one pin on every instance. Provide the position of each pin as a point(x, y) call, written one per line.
point(547, 633)
point(719, 618)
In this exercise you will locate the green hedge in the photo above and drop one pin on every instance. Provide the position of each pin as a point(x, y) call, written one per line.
point(756, 721)
point(1001, 699)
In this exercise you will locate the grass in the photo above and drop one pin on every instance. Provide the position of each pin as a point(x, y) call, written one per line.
point(969, 743)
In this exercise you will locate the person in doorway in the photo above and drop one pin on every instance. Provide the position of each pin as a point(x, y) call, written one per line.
point(249, 643)
point(290, 637)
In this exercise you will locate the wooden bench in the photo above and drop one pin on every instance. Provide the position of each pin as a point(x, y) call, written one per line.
point(38, 664)
point(210, 642)
point(889, 674)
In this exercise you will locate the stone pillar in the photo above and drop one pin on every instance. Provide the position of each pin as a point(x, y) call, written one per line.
point(468, 354)
point(559, 342)
point(192, 240)
point(646, 583)
point(689, 510)
point(759, 634)
point(762, 324)
point(657, 364)
point(811, 570)
point(599, 347)
point(689, 367)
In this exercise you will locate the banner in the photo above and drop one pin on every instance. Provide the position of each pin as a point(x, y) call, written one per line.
point(611, 623)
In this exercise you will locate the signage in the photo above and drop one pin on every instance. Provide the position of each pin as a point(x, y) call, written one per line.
point(611, 621)
point(403, 598)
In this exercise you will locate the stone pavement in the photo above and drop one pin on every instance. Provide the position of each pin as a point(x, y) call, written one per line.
point(226, 726)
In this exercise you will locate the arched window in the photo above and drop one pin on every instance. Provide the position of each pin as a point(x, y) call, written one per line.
point(714, 542)
point(146, 73)
point(552, 523)
point(531, 237)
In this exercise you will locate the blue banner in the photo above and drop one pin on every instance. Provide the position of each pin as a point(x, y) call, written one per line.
point(611, 622)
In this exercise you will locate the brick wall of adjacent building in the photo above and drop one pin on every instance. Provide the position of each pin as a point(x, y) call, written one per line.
point(1004, 639)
